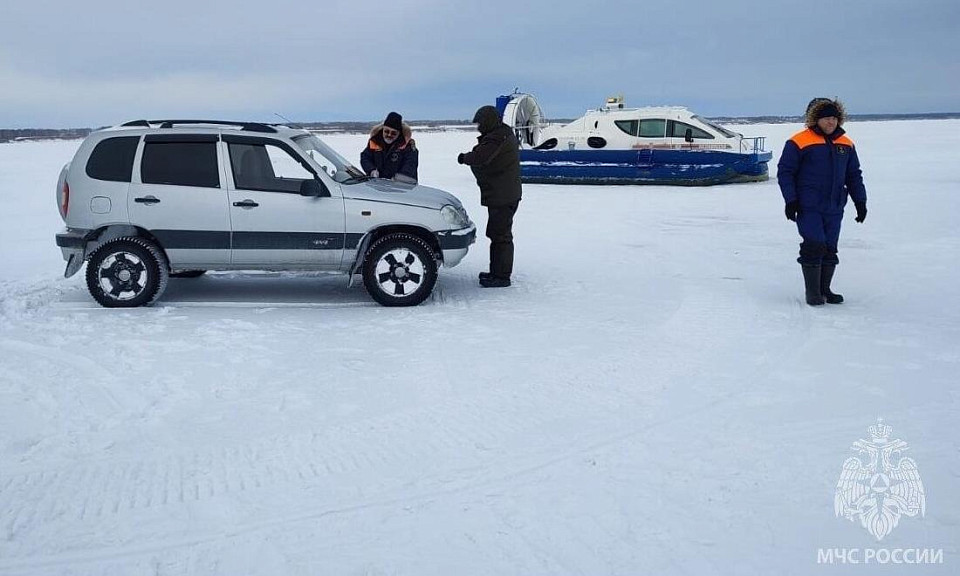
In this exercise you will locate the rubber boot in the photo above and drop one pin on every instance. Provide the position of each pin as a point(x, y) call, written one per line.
point(495, 282)
point(811, 281)
point(826, 276)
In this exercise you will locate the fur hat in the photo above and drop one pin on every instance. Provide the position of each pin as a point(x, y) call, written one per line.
point(394, 121)
point(822, 108)
point(407, 131)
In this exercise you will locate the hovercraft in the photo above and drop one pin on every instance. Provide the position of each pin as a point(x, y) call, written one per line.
point(618, 145)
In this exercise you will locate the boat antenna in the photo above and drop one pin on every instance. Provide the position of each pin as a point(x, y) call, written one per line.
point(288, 121)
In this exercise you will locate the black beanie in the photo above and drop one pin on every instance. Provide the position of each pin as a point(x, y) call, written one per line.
point(827, 111)
point(394, 121)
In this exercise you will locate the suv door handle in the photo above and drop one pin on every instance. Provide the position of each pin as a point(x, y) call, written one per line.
point(147, 200)
point(246, 204)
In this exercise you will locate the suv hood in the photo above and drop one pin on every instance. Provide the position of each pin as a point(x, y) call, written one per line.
point(379, 190)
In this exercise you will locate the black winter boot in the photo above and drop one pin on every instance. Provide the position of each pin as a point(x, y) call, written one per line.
point(811, 281)
point(826, 275)
point(494, 282)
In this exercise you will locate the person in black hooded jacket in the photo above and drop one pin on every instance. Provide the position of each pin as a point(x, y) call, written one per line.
point(495, 162)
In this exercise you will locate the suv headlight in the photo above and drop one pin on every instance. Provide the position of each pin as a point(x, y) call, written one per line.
point(455, 217)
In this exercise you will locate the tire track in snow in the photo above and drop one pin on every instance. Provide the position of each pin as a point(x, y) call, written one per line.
point(292, 464)
point(18, 299)
point(482, 436)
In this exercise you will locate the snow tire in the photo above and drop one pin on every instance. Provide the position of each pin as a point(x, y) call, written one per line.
point(399, 269)
point(127, 272)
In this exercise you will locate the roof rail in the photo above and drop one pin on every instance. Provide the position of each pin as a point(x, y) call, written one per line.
point(249, 126)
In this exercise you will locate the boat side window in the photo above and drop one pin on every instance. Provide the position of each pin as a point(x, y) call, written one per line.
point(680, 129)
point(628, 126)
point(652, 128)
point(717, 127)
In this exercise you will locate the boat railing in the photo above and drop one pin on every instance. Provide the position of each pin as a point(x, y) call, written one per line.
point(753, 145)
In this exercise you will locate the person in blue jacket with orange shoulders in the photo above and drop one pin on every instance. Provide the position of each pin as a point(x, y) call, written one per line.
point(818, 169)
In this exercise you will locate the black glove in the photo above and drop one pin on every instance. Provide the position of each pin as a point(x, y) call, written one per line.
point(460, 158)
point(791, 210)
point(861, 211)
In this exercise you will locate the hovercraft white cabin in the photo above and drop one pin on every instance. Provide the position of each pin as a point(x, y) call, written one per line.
point(618, 145)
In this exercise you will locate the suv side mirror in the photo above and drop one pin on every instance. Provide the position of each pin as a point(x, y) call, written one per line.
point(688, 135)
point(313, 188)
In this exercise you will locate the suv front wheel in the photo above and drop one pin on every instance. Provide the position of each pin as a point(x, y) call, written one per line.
point(399, 270)
point(127, 272)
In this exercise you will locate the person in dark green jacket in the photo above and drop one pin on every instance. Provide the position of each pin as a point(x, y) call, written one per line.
point(495, 162)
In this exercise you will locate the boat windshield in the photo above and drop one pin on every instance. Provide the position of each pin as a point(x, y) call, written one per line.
point(717, 127)
point(335, 165)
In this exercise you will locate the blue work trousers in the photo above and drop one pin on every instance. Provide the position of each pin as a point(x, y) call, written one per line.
point(820, 233)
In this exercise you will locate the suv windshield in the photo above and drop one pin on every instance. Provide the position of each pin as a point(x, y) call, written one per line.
point(335, 165)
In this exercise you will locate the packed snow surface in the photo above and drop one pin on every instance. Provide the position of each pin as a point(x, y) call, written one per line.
point(652, 396)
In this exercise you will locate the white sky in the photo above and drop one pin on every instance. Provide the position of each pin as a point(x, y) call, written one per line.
point(105, 61)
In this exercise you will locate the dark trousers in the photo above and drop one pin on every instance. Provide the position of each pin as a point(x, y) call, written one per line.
point(500, 233)
point(820, 233)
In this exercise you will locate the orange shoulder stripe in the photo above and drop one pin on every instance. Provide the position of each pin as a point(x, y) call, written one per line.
point(844, 140)
point(373, 145)
point(807, 138)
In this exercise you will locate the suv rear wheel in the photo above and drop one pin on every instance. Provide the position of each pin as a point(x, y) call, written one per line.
point(399, 270)
point(127, 272)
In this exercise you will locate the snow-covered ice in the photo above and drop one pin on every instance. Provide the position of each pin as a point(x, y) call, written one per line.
point(652, 396)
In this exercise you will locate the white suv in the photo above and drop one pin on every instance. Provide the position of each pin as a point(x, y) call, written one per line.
point(152, 199)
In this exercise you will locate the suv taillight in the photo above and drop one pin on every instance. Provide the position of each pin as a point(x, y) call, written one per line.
point(64, 199)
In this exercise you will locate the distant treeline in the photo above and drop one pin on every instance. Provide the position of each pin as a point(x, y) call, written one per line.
point(43, 134)
point(73, 133)
point(857, 117)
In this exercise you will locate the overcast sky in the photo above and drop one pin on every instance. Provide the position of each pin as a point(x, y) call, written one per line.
point(100, 62)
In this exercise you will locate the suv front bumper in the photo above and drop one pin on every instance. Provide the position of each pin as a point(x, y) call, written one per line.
point(455, 243)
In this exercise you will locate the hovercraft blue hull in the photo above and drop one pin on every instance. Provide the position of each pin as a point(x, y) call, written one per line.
point(642, 166)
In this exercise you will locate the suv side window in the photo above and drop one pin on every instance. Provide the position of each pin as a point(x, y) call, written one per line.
point(112, 159)
point(266, 167)
point(191, 161)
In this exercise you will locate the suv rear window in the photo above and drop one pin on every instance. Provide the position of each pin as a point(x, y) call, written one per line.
point(180, 164)
point(112, 159)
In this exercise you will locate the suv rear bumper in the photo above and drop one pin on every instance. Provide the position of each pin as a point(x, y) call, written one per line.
point(72, 238)
point(73, 243)
point(455, 243)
